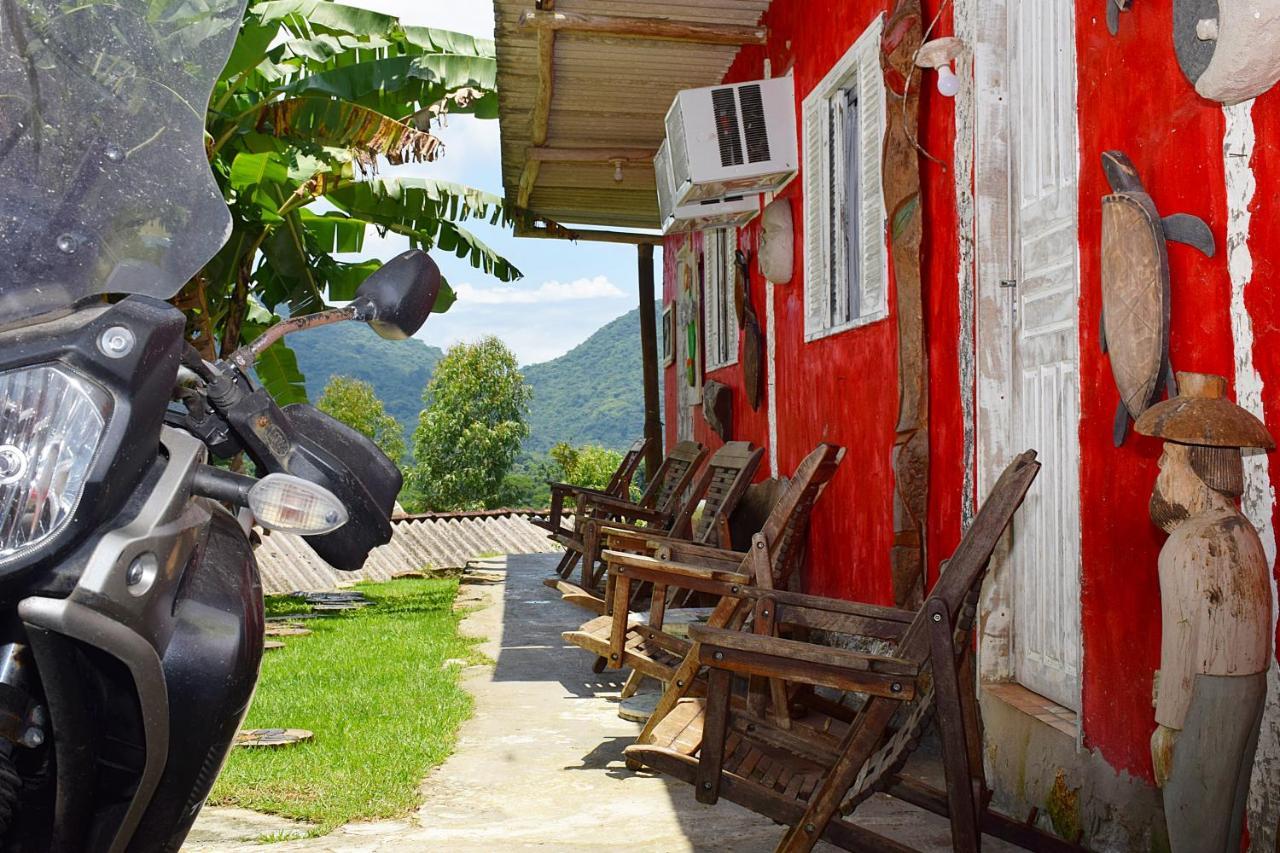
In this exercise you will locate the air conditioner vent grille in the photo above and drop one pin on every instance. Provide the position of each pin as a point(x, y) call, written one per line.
point(754, 127)
point(725, 105)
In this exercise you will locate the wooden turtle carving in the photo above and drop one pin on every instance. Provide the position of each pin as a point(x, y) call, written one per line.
point(1135, 288)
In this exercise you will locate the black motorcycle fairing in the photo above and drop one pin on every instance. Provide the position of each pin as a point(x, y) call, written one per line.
point(140, 385)
point(209, 667)
point(305, 442)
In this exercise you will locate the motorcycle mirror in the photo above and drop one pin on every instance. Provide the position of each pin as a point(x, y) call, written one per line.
point(397, 298)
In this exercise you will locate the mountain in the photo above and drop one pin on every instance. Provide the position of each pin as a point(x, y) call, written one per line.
point(398, 370)
point(593, 394)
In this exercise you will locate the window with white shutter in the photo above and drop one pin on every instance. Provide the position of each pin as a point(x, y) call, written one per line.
point(720, 315)
point(846, 265)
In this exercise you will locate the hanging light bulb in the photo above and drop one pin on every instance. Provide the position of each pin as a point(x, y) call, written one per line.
point(939, 55)
point(948, 82)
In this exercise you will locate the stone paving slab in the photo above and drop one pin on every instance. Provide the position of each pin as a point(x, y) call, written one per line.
point(539, 766)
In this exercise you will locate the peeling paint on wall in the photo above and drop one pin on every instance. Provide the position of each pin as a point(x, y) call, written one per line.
point(1259, 498)
point(966, 105)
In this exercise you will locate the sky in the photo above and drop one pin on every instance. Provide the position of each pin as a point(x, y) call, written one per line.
point(568, 291)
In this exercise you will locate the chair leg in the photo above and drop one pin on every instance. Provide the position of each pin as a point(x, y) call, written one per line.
point(682, 679)
point(590, 553)
point(714, 729)
point(965, 836)
point(621, 619)
point(632, 684)
point(567, 562)
point(973, 731)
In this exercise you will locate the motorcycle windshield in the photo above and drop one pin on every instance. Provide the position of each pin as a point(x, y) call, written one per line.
point(105, 184)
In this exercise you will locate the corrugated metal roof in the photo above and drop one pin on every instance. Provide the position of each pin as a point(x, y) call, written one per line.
point(447, 541)
point(608, 93)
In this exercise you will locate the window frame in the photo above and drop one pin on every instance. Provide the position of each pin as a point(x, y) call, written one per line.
point(826, 191)
point(719, 265)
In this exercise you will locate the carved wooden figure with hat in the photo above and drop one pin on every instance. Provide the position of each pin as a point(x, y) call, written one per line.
point(1215, 593)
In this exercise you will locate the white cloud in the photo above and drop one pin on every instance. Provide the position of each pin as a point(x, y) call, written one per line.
point(474, 17)
point(598, 287)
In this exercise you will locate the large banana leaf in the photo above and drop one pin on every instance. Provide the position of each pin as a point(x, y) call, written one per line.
point(447, 41)
point(423, 209)
point(328, 15)
point(367, 133)
point(413, 200)
point(398, 85)
point(278, 371)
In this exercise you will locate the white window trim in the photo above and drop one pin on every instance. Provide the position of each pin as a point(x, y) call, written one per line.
point(860, 63)
point(719, 264)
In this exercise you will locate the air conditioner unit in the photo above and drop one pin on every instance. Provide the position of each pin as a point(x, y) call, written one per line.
point(719, 213)
point(732, 139)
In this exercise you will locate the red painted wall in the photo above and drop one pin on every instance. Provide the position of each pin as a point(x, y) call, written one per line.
point(843, 388)
point(1174, 137)
point(1131, 97)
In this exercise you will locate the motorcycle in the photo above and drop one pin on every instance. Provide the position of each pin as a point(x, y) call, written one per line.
point(131, 616)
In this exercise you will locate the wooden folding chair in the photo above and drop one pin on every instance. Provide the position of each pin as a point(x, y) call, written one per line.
point(669, 565)
point(564, 495)
point(812, 771)
point(703, 519)
point(658, 505)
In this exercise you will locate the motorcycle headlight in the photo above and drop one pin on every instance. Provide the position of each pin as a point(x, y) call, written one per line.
point(51, 423)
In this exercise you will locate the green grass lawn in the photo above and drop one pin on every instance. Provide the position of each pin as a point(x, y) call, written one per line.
point(373, 686)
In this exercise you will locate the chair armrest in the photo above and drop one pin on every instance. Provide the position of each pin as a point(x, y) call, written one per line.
point(606, 505)
point(682, 551)
point(672, 572)
point(805, 663)
point(839, 605)
point(570, 490)
point(647, 541)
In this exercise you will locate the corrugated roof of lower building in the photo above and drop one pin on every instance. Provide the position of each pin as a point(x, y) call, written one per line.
point(287, 563)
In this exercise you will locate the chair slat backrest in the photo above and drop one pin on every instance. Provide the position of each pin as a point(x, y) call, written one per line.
point(719, 488)
point(620, 482)
point(960, 578)
point(672, 477)
point(964, 572)
point(788, 523)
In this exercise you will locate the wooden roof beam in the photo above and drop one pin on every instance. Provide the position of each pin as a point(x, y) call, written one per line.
point(541, 111)
point(591, 155)
point(660, 29)
point(588, 235)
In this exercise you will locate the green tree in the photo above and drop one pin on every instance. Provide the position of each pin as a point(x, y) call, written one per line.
point(316, 97)
point(590, 465)
point(354, 402)
point(470, 433)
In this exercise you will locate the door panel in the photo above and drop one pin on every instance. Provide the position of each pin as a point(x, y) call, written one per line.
point(1045, 386)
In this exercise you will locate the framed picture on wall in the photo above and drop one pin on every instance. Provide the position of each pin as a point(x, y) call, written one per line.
point(668, 335)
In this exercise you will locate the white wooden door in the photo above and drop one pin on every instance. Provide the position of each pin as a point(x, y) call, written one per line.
point(1045, 377)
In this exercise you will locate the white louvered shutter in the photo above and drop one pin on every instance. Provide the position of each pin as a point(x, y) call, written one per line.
point(816, 266)
point(729, 246)
point(871, 108)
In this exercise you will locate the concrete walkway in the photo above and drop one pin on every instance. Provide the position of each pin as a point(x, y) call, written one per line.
point(540, 765)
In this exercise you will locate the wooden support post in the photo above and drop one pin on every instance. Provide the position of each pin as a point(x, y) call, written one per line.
point(662, 29)
point(649, 351)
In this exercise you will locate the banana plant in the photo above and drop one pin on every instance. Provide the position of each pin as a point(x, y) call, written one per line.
point(316, 106)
